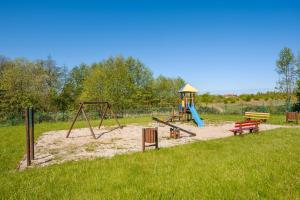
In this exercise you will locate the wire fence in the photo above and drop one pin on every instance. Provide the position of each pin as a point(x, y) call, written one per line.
point(221, 108)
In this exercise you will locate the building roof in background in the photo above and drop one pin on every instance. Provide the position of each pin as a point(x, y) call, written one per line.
point(188, 88)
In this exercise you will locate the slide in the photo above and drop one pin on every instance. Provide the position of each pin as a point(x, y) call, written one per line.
point(195, 115)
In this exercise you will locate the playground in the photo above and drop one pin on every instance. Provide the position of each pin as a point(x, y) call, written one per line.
point(53, 148)
point(183, 126)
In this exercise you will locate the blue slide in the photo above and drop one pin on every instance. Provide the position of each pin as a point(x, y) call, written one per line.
point(195, 115)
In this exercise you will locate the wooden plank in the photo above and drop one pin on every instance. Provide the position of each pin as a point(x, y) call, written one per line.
point(94, 102)
point(253, 114)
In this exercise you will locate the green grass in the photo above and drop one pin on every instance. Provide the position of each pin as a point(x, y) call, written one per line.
point(254, 166)
point(12, 144)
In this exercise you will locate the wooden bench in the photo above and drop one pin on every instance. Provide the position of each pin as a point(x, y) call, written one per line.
point(240, 127)
point(257, 116)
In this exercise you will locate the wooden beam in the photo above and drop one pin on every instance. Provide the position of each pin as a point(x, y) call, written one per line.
point(102, 117)
point(88, 122)
point(80, 107)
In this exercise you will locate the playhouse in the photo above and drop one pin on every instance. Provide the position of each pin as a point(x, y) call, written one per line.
point(186, 107)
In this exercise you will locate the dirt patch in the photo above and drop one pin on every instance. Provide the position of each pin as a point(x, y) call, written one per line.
point(53, 147)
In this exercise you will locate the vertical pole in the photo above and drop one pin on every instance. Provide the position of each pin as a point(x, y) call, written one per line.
point(88, 122)
point(156, 137)
point(27, 136)
point(102, 116)
point(143, 139)
point(114, 115)
point(31, 132)
point(80, 107)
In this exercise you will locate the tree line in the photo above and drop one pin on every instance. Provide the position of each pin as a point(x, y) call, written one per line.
point(125, 82)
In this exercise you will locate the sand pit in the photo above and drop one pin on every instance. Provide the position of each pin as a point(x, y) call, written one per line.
point(53, 147)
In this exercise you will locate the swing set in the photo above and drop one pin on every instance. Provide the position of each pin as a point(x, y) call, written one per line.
point(107, 107)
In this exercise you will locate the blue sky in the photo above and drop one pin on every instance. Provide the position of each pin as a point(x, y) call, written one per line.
point(217, 46)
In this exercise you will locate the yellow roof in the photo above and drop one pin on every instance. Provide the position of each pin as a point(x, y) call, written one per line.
point(188, 88)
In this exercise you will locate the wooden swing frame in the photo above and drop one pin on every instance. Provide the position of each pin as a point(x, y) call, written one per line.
point(81, 109)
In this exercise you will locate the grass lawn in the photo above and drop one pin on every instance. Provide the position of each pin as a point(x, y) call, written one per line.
point(254, 166)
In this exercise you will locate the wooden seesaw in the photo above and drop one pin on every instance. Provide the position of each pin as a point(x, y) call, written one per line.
point(173, 126)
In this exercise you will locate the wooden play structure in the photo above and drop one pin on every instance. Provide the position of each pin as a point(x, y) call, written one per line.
point(292, 117)
point(240, 127)
point(149, 136)
point(186, 107)
point(257, 116)
point(107, 107)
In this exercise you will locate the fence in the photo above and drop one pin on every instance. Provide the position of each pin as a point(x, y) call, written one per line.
point(221, 108)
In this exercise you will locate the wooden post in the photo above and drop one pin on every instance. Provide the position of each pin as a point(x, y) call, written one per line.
point(143, 139)
point(79, 110)
point(156, 137)
point(115, 116)
point(27, 125)
point(88, 122)
point(31, 132)
point(102, 116)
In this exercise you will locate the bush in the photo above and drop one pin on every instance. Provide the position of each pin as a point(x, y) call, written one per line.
point(296, 107)
point(269, 109)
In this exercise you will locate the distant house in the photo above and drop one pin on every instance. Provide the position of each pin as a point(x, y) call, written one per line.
point(230, 95)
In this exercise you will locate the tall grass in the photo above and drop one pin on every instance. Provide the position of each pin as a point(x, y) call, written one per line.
point(257, 166)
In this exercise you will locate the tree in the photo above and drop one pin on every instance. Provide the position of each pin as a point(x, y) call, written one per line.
point(166, 90)
point(287, 74)
point(206, 98)
point(296, 106)
point(26, 83)
point(121, 81)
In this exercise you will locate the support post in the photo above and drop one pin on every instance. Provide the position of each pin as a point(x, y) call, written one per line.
point(27, 125)
point(79, 110)
point(102, 117)
point(31, 132)
point(114, 116)
point(88, 122)
point(156, 137)
point(143, 139)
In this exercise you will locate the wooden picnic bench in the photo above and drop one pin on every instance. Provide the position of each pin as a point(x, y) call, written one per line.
point(240, 127)
point(257, 116)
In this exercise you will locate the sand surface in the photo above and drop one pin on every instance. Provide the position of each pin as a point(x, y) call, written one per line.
point(53, 147)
